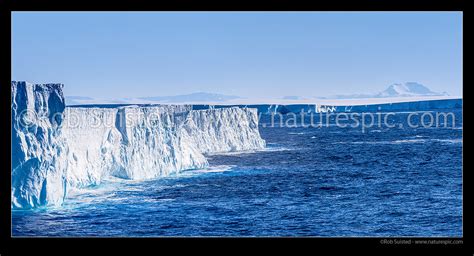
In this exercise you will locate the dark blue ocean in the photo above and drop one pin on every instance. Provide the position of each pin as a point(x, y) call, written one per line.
point(310, 181)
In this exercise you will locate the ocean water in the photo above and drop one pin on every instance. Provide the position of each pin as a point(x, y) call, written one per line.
point(317, 181)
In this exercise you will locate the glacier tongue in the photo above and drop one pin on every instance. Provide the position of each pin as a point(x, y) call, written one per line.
point(63, 147)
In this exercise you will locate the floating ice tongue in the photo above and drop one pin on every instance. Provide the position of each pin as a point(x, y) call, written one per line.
point(55, 147)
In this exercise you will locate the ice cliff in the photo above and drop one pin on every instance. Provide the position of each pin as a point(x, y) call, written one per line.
point(422, 105)
point(37, 171)
point(223, 130)
point(55, 148)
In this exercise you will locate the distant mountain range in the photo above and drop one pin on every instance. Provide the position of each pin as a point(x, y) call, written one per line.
point(293, 98)
point(193, 97)
point(409, 89)
point(176, 99)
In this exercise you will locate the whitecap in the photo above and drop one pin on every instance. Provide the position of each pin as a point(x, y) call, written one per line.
point(211, 169)
point(267, 149)
point(450, 140)
point(403, 141)
point(409, 141)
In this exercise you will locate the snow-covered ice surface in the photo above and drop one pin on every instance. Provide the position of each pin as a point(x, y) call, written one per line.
point(55, 148)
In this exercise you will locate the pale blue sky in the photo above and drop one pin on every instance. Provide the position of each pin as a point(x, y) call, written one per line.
point(250, 54)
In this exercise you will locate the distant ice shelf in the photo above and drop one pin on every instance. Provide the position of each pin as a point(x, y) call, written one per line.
point(423, 105)
point(55, 148)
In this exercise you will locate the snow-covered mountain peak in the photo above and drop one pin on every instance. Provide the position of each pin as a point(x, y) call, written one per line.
point(408, 89)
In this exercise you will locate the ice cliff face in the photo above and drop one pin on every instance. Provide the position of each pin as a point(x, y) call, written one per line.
point(61, 147)
point(224, 129)
point(126, 142)
point(37, 171)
